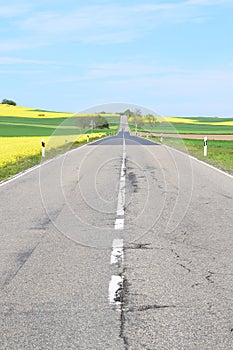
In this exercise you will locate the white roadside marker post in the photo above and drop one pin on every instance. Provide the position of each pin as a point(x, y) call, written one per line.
point(43, 147)
point(205, 146)
point(87, 138)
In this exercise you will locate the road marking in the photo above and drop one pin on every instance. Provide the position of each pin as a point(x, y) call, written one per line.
point(119, 223)
point(116, 283)
point(115, 290)
point(117, 252)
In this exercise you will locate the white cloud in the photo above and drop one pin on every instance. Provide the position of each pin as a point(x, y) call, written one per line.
point(111, 23)
point(103, 23)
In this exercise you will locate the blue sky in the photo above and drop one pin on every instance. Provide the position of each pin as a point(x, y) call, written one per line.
point(173, 57)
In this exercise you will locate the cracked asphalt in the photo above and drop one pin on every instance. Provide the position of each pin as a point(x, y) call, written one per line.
point(57, 229)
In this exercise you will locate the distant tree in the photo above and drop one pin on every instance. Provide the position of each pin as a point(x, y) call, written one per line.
point(93, 122)
point(101, 122)
point(128, 112)
point(137, 118)
point(151, 121)
point(8, 102)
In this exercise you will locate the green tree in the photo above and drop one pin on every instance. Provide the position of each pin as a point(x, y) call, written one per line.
point(137, 118)
point(151, 121)
point(128, 112)
point(8, 102)
point(92, 122)
point(101, 122)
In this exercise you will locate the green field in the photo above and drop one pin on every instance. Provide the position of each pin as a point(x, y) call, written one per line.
point(220, 153)
point(21, 131)
point(199, 125)
point(20, 126)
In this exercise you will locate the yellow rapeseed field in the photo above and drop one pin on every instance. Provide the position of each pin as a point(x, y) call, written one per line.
point(180, 120)
point(25, 112)
point(14, 148)
point(174, 120)
point(19, 111)
point(194, 121)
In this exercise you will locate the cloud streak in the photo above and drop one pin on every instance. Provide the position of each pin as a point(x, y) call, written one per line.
point(110, 23)
point(103, 24)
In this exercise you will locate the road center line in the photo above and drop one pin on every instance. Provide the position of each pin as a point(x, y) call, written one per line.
point(114, 291)
point(117, 252)
point(116, 283)
point(119, 223)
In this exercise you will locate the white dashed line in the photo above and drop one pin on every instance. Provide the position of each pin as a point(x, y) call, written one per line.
point(115, 287)
point(117, 252)
point(119, 223)
point(117, 255)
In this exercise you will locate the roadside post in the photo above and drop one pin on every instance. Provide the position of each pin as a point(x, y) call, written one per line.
point(161, 138)
point(205, 146)
point(43, 148)
point(88, 138)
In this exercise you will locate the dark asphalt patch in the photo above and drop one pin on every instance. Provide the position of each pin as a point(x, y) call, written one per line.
point(117, 140)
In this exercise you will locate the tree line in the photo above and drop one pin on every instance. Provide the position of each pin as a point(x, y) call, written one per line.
point(140, 120)
point(92, 122)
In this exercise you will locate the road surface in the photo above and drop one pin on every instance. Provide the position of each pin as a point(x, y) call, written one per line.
point(120, 244)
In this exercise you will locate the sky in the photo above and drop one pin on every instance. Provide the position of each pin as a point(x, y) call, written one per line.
point(172, 57)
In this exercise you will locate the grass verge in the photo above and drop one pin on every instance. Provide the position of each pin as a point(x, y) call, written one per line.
point(220, 153)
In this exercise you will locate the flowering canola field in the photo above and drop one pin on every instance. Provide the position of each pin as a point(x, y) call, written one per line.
point(12, 149)
point(196, 121)
point(19, 111)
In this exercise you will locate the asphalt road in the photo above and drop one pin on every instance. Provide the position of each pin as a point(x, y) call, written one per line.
point(120, 244)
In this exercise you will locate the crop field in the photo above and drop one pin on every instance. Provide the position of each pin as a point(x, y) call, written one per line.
point(22, 129)
point(184, 131)
point(20, 121)
point(197, 125)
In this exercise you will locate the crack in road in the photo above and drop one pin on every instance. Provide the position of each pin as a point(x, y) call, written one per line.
point(150, 307)
point(184, 267)
point(123, 311)
point(180, 263)
point(21, 260)
point(139, 246)
point(209, 276)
